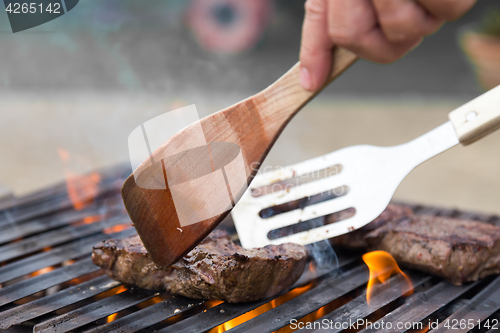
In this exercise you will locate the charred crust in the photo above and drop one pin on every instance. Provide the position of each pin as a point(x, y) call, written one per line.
point(240, 257)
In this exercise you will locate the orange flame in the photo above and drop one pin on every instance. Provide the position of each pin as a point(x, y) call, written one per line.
point(117, 290)
point(261, 309)
point(423, 330)
point(87, 220)
point(112, 317)
point(382, 266)
point(321, 312)
point(311, 268)
point(152, 301)
point(117, 228)
point(82, 189)
point(42, 271)
point(91, 219)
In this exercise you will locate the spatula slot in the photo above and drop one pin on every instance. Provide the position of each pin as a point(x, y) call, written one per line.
point(296, 180)
point(311, 224)
point(303, 202)
point(340, 216)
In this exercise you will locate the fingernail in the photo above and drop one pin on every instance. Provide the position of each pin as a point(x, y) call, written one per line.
point(305, 78)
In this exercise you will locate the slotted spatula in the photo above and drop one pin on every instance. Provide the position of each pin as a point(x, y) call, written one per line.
point(367, 180)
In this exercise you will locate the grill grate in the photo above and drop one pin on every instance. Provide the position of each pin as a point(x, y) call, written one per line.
point(49, 284)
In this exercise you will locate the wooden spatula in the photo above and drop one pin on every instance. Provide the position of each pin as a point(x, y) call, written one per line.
point(253, 124)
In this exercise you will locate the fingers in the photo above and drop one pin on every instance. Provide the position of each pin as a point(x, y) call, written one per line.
point(354, 25)
point(330, 22)
point(403, 20)
point(377, 30)
point(374, 46)
point(316, 45)
point(350, 20)
point(448, 10)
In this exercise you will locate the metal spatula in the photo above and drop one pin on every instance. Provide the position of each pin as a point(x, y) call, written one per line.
point(358, 178)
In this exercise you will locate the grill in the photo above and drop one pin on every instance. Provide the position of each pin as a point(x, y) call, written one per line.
point(49, 284)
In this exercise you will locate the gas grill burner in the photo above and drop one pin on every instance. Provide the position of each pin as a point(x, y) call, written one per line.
point(48, 282)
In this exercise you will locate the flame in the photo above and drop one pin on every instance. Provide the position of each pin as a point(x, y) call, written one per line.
point(382, 266)
point(82, 189)
point(311, 268)
point(321, 312)
point(91, 219)
point(312, 317)
point(423, 330)
point(117, 228)
point(152, 301)
point(114, 291)
point(261, 309)
point(112, 317)
point(87, 220)
point(42, 271)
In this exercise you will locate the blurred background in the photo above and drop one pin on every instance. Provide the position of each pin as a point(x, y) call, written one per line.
point(72, 90)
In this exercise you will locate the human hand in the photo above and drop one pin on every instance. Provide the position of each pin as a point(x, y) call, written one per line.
point(382, 31)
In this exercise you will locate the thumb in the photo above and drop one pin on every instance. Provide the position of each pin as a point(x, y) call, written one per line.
point(316, 46)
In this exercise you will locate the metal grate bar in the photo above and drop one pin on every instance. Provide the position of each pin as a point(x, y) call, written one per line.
point(55, 256)
point(325, 292)
point(421, 305)
point(26, 228)
point(221, 313)
point(52, 238)
point(358, 308)
point(38, 283)
point(149, 316)
point(70, 246)
point(18, 230)
point(56, 301)
point(23, 212)
point(480, 307)
point(33, 197)
point(214, 317)
point(20, 213)
point(92, 312)
point(113, 174)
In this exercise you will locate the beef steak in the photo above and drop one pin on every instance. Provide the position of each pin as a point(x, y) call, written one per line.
point(215, 269)
point(458, 250)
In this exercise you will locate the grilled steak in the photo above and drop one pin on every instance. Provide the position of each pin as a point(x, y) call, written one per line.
point(215, 269)
point(458, 250)
point(356, 239)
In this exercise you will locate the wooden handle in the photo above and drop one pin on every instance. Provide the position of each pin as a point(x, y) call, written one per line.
point(285, 97)
point(477, 118)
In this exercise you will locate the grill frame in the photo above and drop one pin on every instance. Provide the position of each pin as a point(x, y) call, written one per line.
point(46, 219)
